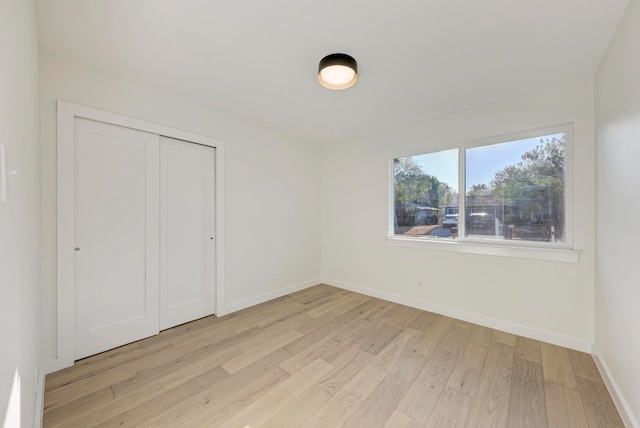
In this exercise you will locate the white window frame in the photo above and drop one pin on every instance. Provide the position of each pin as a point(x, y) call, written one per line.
point(563, 251)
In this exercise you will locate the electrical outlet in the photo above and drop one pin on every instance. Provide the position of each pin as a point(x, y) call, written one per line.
point(420, 285)
point(274, 274)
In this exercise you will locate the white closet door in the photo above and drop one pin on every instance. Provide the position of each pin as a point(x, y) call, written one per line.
point(186, 232)
point(117, 236)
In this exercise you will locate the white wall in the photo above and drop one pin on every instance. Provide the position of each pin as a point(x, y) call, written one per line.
point(553, 300)
point(19, 219)
point(617, 292)
point(272, 185)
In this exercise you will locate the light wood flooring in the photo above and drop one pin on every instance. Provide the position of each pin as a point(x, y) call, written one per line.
point(325, 357)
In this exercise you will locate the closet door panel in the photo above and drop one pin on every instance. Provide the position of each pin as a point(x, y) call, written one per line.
point(117, 236)
point(186, 232)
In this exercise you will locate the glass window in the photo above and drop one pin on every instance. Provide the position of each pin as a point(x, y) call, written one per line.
point(514, 190)
point(426, 194)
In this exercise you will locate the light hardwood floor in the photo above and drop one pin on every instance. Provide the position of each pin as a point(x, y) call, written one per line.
point(325, 357)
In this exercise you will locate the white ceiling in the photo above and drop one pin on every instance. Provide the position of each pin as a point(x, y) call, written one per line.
point(258, 59)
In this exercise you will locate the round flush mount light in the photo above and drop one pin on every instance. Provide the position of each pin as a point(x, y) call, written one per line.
point(338, 71)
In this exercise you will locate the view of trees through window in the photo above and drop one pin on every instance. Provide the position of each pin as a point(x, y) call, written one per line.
point(514, 191)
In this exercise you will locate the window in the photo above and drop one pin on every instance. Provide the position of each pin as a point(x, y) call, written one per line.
point(514, 191)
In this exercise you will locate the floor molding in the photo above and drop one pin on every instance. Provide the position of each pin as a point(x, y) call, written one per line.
point(518, 329)
point(618, 398)
point(39, 407)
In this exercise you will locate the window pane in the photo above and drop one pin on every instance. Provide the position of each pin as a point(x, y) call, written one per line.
point(425, 191)
point(516, 190)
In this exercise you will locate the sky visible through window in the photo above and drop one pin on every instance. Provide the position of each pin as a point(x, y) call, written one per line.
point(444, 164)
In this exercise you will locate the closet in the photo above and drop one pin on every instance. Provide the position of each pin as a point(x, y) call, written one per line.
point(144, 245)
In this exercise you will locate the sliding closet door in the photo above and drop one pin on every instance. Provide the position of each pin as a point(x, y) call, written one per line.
point(117, 236)
point(186, 232)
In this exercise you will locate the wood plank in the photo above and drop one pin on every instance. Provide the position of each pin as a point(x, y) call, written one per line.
point(286, 323)
point(466, 375)
point(564, 409)
point(57, 415)
point(293, 311)
point(376, 336)
point(527, 406)
point(404, 317)
point(452, 410)
point(419, 401)
point(480, 334)
point(98, 414)
point(422, 321)
point(313, 324)
point(340, 354)
point(230, 395)
point(250, 317)
point(235, 388)
point(528, 349)
point(312, 294)
point(455, 339)
point(409, 365)
point(166, 373)
point(179, 375)
point(380, 404)
point(139, 414)
point(598, 406)
point(584, 366)
point(218, 341)
point(491, 403)
point(203, 336)
point(314, 336)
point(254, 351)
point(400, 420)
point(504, 338)
point(214, 339)
point(343, 304)
point(378, 310)
point(301, 359)
point(298, 410)
point(349, 331)
point(557, 366)
point(432, 335)
point(335, 412)
point(106, 378)
point(91, 366)
point(265, 407)
point(368, 378)
point(340, 376)
point(264, 364)
point(359, 311)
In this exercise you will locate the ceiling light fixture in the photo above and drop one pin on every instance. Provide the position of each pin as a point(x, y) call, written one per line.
point(338, 71)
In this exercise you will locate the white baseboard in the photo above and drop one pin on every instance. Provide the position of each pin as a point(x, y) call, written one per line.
point(39, 408)
point(256, 300)
point(621, 403)
point(517, 329)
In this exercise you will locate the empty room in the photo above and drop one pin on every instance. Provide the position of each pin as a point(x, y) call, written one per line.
point(302, 214)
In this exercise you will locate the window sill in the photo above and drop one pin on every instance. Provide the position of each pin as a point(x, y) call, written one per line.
point(489, 249)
